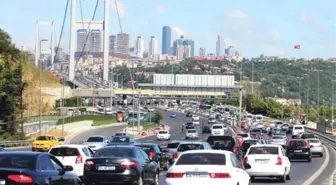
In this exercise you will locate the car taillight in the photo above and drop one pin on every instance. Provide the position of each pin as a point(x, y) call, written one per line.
point(175, 175)
point(245, 161)
point(128, 164)
point(20, 178)
point(89, 164)
point(279, 161)
point(288, 145)
point(235, 149)
point(79, 159)
point(152, 155)
point(219, 175)
point(175, 156)
point(307, 144)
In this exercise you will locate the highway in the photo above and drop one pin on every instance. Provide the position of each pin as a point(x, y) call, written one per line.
point(300, 171)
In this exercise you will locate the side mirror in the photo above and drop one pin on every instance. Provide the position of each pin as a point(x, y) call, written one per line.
point(68, 168)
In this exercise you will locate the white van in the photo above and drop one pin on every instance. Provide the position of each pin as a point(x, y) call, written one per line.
point(298, 129)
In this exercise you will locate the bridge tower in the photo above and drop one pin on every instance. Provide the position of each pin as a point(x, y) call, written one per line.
point(38, 41)
point(99, 25)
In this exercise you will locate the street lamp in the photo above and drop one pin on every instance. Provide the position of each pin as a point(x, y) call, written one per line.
point(40, 68)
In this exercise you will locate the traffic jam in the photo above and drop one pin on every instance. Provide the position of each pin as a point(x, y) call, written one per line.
point(209, 153)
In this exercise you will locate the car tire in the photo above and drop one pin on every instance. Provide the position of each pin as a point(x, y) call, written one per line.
point(156, 179)
point(283, 178)
point(309, 159)
point(140, 181)
point(288, 177)
point(321, 154)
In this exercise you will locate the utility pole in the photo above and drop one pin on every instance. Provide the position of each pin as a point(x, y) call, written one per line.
point(111, 83)
point(139, 110)
point(62, 105)
point(318, 96)
point(252, 77)
point(240, 104)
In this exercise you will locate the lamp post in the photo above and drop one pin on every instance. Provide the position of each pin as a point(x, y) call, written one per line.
point(40, 74)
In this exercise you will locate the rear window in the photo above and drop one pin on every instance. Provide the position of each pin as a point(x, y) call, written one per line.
point(314, 141)
point(201, 159)
point(62, 151)
point(304, 136)
point(121, 140)
point(114, 152)
point(17, 161)
point(187, 147)
point(146, 148)
point(297, 144)
point(192, 131)
point(243, 135)
point(256, 130)
point(120, 134)
point(95, 139)
point(163, 132)
point(221, 144)
point(298, 128)
point(173, 145)
point(43, 138)
point(264, 150)
point(217, 127)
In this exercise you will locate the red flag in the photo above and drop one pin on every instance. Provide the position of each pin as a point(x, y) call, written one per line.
point(297, 46)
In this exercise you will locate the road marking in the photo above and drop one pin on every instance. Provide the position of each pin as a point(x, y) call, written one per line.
point(320, 170)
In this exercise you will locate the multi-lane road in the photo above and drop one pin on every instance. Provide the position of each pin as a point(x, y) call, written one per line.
point(300, 171)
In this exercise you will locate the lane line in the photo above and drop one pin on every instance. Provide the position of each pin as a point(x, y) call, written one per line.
point(312, 178)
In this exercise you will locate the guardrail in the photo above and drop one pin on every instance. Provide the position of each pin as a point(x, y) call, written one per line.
point(330, 139)
point(7, 144)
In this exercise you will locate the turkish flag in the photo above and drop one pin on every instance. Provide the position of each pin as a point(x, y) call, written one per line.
point(297, 46)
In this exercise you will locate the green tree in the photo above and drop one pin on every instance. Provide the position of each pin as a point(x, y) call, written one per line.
point(157, 117)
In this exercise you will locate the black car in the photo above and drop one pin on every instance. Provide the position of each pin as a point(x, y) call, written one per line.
point(206, 130)
point(156, 153)
point(308, 136)
point(226, 143)
point(25, 168)
point(188, 114)
point(121, 140)
point(120, 164)
point(290, 129)
point(256, 131)
point(298, 149)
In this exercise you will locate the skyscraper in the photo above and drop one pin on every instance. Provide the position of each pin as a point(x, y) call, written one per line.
point(139, 47)
point(219, 46)
point(166, 39)
point(95, 41)
point(153, 46)
point(178, 42)
point(202, 52)
point(81, 39)
point(123, 43)
point(191, 43)
point(113, 43)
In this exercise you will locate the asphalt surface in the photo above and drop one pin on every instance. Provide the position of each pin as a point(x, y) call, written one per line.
point(300, 171)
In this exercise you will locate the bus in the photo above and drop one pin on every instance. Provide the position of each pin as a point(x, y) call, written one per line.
point(133, 116)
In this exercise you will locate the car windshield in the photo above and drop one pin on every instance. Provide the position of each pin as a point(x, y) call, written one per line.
point(163, 132)
point(17, 161)
point(314, 141)
point(252, 141)
point(192, 131)
point(95, 139)
point(298, 128)
point(201, 159)
point(187, 147)
point(264, 150)
point(120, 134)
point(217, 127)
point(256, 131)
point(43, 138)
point(173, 145)
point(278, 137)
point(121, 140)
point(114, 152)
point(221, 144)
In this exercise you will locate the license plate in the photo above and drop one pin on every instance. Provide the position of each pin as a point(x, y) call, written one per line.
point(39, 146)
point(297, 150)
point(196, 175)
point(261, 161)
point(2, 182)
point(106, 168)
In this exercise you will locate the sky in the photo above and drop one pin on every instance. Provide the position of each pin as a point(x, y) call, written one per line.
point(269, 27)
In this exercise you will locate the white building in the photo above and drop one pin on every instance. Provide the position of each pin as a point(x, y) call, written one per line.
point(202, 52)
point(153, 46)
point(183, 52)
point(139, 47)
point(187, 51)
point(220, 46)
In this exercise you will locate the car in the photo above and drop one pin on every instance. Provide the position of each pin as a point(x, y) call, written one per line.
point(35, 168)
point(308, 136)
point(168, 109)
point(96, 142)
point(217, 130)
point(43, 143)
point(226, 143)
point(195, 118)
point(289, 129)
point(72, 155)
point(189, 125)
point(195, 122)
point(173, 115)
point(245, 136)
point(61, 140)
point(284, 127)
point(298, 130)
point(206, 130)
point(150, 109)
point(256, 131)
point(121, 164)
point(156, 153)
point(248, 143)
point(191, 134)
point(192, 145)
point(316, 146)
point(211, 120)
point(207, 167)
point(279, 140)
point(188, 114)
point(121, 140)
point(299, 149)
point(172, 146)
point(163, 135)
point(267, 161)
point(255, 136)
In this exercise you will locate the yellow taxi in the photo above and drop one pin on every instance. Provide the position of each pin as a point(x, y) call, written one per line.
point(44, 142)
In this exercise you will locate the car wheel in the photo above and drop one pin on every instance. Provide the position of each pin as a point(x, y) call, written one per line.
point(156, 179)
point(140, 181)
point(309, 159)
point(283, 178)
point(288, 177)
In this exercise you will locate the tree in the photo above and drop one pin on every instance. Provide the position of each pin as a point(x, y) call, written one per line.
point(157, 117)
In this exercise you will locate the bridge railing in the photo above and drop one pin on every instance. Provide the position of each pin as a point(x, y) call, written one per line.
point(20, 143)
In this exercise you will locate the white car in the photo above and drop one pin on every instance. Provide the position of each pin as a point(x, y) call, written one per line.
point(72, 155)
point(195, 118)
point(191, 145)
point(96, 142)
point(217, 130)
point(163, 135)
point(298, 130)
point(279, 140)
point(316, 147)
point(150, 109)
point(191, 134)
point(267, 161)
point(215, 167)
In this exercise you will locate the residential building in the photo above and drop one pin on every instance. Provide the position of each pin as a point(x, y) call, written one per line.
point(139, 47)
point(81, 39)
point(202, 52)
point(95, 41)
point(113, 43)
point(153, 46)
point(123, 43)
